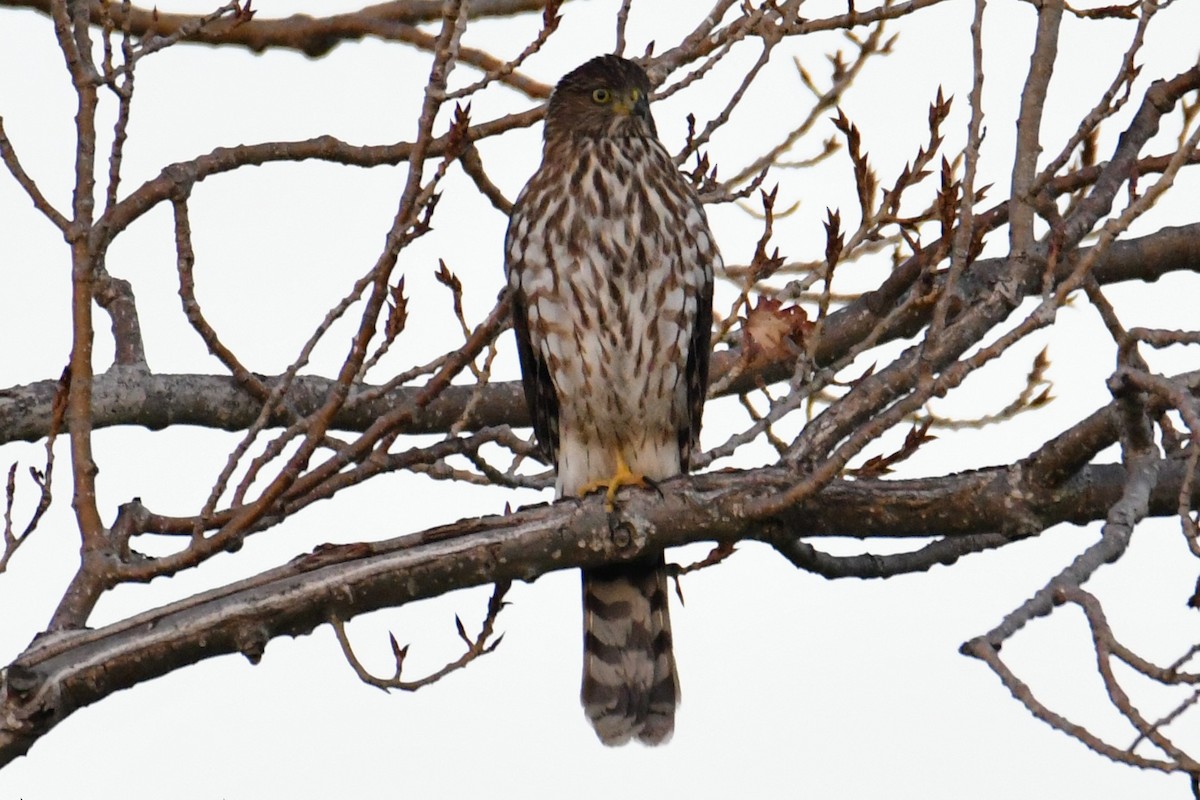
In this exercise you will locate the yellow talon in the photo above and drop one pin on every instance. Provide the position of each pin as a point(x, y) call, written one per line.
point(622, 476)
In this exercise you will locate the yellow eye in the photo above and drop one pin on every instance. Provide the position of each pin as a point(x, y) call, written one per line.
point(635, 95)
point(601, 96)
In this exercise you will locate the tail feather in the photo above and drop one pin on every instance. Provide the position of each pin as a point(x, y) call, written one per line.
point(630, 688)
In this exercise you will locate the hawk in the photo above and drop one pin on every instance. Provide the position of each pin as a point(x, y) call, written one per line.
point(610, 264)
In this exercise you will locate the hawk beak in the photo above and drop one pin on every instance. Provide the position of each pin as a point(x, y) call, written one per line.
point(625, 105)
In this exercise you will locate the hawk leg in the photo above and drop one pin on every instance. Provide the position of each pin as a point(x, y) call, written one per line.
point(622, 476)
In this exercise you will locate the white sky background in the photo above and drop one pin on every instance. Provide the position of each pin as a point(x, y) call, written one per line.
point(793, 685)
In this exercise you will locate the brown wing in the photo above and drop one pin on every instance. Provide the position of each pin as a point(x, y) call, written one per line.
point(535, 375)
point(696, 371)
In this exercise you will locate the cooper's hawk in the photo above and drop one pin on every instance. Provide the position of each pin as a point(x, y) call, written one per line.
point(610, 262)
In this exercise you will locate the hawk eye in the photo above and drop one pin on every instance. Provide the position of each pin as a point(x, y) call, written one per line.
point(635, 95)
point(601, 96)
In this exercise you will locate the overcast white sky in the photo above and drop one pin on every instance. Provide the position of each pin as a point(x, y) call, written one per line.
point(792, 685)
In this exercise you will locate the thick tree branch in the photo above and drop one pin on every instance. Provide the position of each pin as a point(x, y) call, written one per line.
point(157, 401)
point(63, 672)
point(313, 36)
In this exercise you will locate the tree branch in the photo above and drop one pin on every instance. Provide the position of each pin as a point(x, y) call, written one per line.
point(313, 36)
point(157, 401)
point(63, 672)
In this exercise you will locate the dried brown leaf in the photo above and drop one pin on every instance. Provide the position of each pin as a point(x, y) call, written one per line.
point(397, 311)
point(834, 239)
point(773, 332)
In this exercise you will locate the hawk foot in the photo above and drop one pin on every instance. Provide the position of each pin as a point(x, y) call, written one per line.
point(622, 476)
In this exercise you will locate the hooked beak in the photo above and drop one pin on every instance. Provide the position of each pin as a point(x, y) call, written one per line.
point(625, 104)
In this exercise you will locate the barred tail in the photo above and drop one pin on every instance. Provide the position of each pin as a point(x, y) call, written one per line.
point(630, 688)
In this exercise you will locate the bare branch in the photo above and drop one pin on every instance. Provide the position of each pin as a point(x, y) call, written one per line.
point(313, 36)
point(1029, 126)
point(66, 671)
point(214, 401)
point(476, 647)
point(9, 156)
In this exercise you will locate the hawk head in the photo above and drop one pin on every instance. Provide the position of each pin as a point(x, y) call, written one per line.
point(607, 96)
